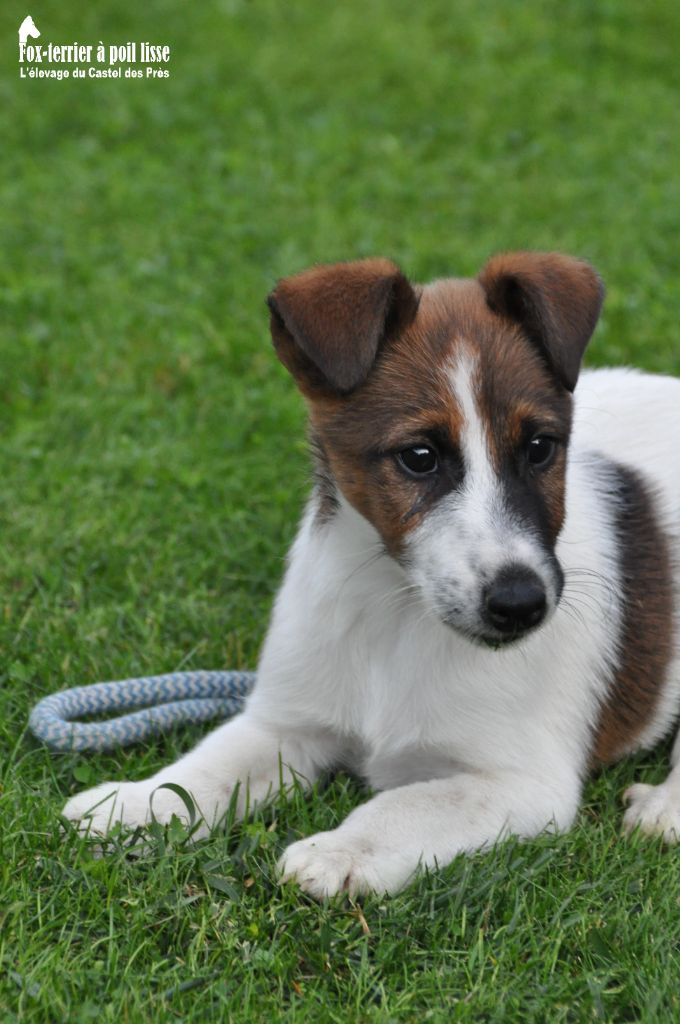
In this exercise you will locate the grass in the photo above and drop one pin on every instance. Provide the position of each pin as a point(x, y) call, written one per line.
point(153, 467)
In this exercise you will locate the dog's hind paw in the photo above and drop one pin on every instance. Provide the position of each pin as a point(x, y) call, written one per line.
point(655, 810)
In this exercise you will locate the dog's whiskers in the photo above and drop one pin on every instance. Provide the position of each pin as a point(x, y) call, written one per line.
point(367, 563)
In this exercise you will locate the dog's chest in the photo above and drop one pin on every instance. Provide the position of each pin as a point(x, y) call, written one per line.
point(354, 651)
point(377, 667)
point(416, 702)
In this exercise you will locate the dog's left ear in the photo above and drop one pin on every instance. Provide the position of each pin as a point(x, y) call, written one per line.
point(555, 299)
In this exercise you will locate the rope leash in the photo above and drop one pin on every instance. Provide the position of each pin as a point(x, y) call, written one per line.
point(175, 698)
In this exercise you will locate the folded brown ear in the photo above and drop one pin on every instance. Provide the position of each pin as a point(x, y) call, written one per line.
point(329, 322)
point(555, 299)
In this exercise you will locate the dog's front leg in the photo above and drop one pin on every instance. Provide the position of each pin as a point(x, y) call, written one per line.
point(380, 845)
point(243, 754)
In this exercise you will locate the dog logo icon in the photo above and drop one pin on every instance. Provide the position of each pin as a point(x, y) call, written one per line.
point(27, 30)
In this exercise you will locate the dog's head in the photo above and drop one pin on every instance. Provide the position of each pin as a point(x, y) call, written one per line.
point(443, 415)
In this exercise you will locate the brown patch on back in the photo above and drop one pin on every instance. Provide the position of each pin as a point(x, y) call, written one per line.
point(646, 644)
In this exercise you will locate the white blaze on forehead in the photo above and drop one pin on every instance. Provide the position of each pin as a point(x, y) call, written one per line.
point(474, 441)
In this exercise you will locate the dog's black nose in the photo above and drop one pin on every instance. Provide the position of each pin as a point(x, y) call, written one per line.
point(515, 601)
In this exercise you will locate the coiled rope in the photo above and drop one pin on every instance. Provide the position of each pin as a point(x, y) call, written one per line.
point(165, 701)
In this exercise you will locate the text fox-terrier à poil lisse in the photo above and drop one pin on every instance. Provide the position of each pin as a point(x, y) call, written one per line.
point(481, 604)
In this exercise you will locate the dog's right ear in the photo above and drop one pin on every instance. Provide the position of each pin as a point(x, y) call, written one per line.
point(329, 323)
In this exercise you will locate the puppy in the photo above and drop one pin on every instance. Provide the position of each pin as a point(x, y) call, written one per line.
point(481, 604)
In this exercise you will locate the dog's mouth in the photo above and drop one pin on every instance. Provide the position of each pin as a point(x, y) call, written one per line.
point(497, 643)
point(491, 639)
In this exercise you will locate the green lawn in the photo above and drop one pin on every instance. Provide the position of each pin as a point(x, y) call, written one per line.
point(152, 468)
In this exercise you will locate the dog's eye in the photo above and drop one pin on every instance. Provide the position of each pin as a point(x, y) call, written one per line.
point(541, 451)
point(420, 460)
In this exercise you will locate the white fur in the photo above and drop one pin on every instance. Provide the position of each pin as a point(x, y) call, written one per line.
point(468, 744)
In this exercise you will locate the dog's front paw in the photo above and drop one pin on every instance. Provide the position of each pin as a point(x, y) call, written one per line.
point(330, 862)
point(655, 810)
point(98, 809)
point(131, 804)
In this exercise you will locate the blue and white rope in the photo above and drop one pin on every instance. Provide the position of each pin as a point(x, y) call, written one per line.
point(177, 697)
